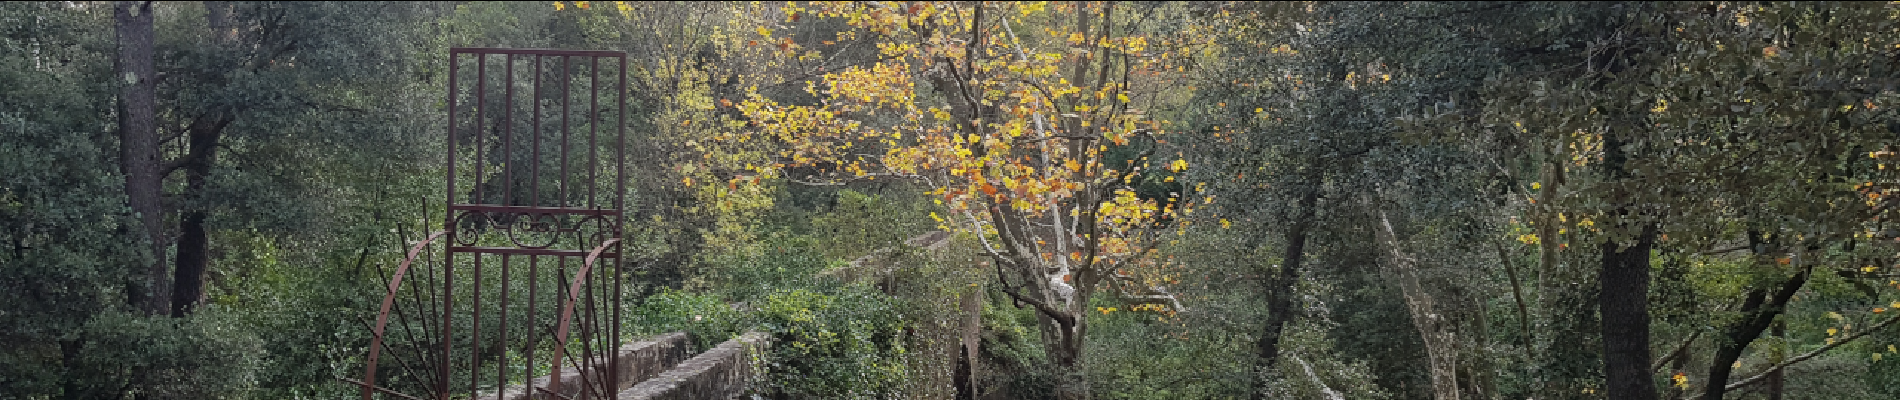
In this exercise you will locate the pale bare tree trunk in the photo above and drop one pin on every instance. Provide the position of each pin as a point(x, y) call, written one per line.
point(972, 307)
point(138, 145)
point(1441, 341)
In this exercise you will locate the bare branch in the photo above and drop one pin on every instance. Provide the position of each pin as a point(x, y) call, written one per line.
point(1805, 356)
point(926, 179)
point(1156, 294)
point(1328, 390)
point(1064, 318)
point(977, 227)
point(1680, 350)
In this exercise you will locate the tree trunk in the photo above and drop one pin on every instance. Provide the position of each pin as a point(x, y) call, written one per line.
point(971, 338)
point(1758, 311)
point(1679, 365)
point(1775, 384)
point(1624, 301)
point(194, 241)
point(138, 144)
point(1064, 349)
point(1441, 342)
point(1279, 285)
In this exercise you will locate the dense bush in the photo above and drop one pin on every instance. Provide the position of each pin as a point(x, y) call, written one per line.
point(834, 346)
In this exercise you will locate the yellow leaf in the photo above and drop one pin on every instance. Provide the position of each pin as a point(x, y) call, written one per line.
point(1536, 185)
point(558, 6)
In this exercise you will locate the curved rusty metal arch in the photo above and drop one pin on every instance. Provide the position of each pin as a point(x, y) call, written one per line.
point(382, 317)
point(567, 314)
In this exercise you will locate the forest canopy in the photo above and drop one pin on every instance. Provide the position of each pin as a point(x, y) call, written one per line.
point(955, 200)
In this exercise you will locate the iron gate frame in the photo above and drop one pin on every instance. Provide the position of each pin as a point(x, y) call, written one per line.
point(466, 223)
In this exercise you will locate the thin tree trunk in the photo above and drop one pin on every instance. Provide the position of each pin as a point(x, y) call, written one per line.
point(1517, 296)
point(138, 145)
point(1679, 365)
point(1775, 383)
point(1441, 342)
point(1279, 285)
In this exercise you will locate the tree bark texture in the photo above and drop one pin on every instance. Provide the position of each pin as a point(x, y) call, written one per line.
point(1441, 341)
point(1280, 282)
point(1624, 303)
point(138, 144)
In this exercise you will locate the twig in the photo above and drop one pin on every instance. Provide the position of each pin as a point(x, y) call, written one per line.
point(1680, 349)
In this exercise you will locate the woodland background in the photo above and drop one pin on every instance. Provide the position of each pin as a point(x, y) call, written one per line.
point(1148, 199)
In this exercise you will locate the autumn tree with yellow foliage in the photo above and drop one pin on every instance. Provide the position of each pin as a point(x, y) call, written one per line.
point(1018, 118)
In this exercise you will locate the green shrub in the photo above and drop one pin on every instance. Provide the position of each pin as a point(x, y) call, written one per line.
point(847, 345)
point(706, 317)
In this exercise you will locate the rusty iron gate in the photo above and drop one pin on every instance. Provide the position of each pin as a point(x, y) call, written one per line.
point(529, 282)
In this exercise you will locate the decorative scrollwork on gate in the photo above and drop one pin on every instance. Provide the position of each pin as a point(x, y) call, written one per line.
point(532, 229)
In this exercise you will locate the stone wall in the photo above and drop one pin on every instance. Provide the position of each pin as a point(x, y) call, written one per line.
point(721, 373)
point(639, 361)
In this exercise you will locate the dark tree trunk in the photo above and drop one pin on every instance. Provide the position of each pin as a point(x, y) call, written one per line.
point(71, 380)
point(1064, 341)
point(138, 144)
point(194, 241)
point(1758, 311)
point(1280, 284)
point(1624, 303)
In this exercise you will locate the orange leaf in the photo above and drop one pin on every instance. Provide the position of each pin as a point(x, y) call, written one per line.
point(989, 189)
